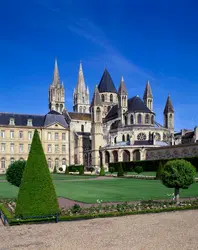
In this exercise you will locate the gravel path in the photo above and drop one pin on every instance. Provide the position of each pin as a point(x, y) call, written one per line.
point(173, 230)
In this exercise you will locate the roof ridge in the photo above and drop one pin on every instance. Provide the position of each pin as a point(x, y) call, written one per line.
point(19, 113)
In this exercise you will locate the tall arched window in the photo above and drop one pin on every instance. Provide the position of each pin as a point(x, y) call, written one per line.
point(84, 109)
point(49, 163)
point(3, 163)
point(63, 162)
point(132, 121)
point(147, 118)
point(115, 140)
point(152, 119)
point(125, 120)
point(82, 128)
point(128, 137)
point(56, 162)
point(123, 137)
point(11, 160)
point(103, 98)
point(98, 114)
point(80, 109)
point(111, 98)
point(139, 119)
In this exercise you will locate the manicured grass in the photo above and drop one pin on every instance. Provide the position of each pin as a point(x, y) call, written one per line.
point(108, 190)
point(70, 177)
point(2, 177)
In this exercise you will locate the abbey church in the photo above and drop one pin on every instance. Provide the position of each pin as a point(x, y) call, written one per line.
point(111, 127)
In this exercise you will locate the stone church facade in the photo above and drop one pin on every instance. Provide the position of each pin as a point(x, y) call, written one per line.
point(113, 127)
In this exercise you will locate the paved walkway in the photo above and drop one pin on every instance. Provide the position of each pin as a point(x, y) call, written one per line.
point(164, 231)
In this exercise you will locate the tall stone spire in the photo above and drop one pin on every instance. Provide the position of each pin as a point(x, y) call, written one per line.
point(96, 101)
point(169, 106)
point(56, 78)
point(147, 91)
point(122, 88)
point(81, 94)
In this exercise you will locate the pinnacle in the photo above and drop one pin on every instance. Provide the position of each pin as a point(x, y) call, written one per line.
point(147, 91)
point(122, 88)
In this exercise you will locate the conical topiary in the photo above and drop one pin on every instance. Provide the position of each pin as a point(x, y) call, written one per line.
point(102, 171)
point(120, 170)
point(37, 195)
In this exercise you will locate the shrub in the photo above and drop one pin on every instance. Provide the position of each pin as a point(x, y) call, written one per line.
point(76, 208)
point(60, 169)
point(159, 171)
point(14, 172)
point(37, 195)
point(178, 174)
point(138, 169)
point(55, 170)
point(120, 170)
point(91, 169)
point(67, 170)
point(102, 171)
point(111, 170)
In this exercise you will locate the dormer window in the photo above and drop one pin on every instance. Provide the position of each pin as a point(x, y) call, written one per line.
point(12, 121)
point(29, 122)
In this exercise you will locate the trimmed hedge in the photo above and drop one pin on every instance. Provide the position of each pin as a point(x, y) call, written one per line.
point(37, 195)
point(75, 168)
point(150, 165)
point(14, 172)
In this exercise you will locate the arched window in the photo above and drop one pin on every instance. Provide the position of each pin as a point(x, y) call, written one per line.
point(80, 109)
point(56, 162)
point(98, 114)
point(123, 138)
point(63, 162)
point(57, 107)
point(49, 162)
point(125, 120)
point(83, 99)
point(3, 163)
point(61, 108)
point(147, 118)
point(103, 98)
point(111, 98)
point(115, 140)
point(132, 121)
point(11, 160)
point(152, 119)
point(82, 128)
point(126, 156)
point(84, 109)
point(128, 137)
point(139, 119)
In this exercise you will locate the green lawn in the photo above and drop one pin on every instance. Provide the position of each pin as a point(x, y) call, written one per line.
point(70, 177)
point(107, 190)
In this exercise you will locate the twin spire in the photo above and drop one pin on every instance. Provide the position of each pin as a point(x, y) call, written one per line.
point(56, 77)
point(81, 87)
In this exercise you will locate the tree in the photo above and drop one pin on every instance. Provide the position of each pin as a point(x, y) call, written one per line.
point(159, 171)
point(102, 171)
point(14, 172)
point(67, 170)
point(55, 170)
point(138, 169)
point(120, 170)
point(178, 174)
point(37, 195)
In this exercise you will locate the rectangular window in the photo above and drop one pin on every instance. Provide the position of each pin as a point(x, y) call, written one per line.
point(56, 136)
point(3, 163)
point(63, 137)
point(49, 148)
point(49, 137)
point(63, 148)
point(20, 134)
point(12, 148)
point(11, 134)
point(29, 135)
point(56, 148)
point(3, 147)
point(2, 134)
point(29, 122)
point(29, 146)
point(21, 148)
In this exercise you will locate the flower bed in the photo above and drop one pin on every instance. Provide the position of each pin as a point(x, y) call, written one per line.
point(100, 210)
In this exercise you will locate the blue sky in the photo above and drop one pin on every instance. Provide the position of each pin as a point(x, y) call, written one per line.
point(141, 40)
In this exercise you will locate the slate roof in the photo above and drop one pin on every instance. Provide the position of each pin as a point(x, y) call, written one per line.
point(80, 116)
point(188, 135)
point(147, 91)
point(135, 104)
point(169, 106)
point(143, 143)
point(37, 120)
point(96, 101)
point(122, 88)
point(112, 114)
point(106, 84)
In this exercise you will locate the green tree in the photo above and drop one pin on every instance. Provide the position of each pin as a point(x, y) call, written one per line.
point(81, 170)
point(138, 169)
point(102, 171)
point(159, 171)
point(55, 170)
point(178, 174)
point(120, 170)
point(67, 170)
point(37, 195)
point(14, 172)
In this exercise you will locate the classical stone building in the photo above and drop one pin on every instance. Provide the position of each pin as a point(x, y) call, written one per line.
point(114, 127)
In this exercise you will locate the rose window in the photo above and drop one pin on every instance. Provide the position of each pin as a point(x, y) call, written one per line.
point(141, 137)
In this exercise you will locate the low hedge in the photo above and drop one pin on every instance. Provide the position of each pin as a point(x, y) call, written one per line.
point(100, 215)
point(150, 165)
point(75, 168)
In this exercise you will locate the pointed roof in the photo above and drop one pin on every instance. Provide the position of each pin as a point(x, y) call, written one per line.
point(56, 78)
point(147, 91)
point(122, 88)
point(106, 84)
point(80, 87)
point(168, 107)
point(96, 101)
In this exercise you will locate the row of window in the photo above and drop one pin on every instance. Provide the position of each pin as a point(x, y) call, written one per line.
point(30, 135)
point(12, 122)
point(57, 162)
point(147, 119)
point(103, 97)
point(21, 148)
